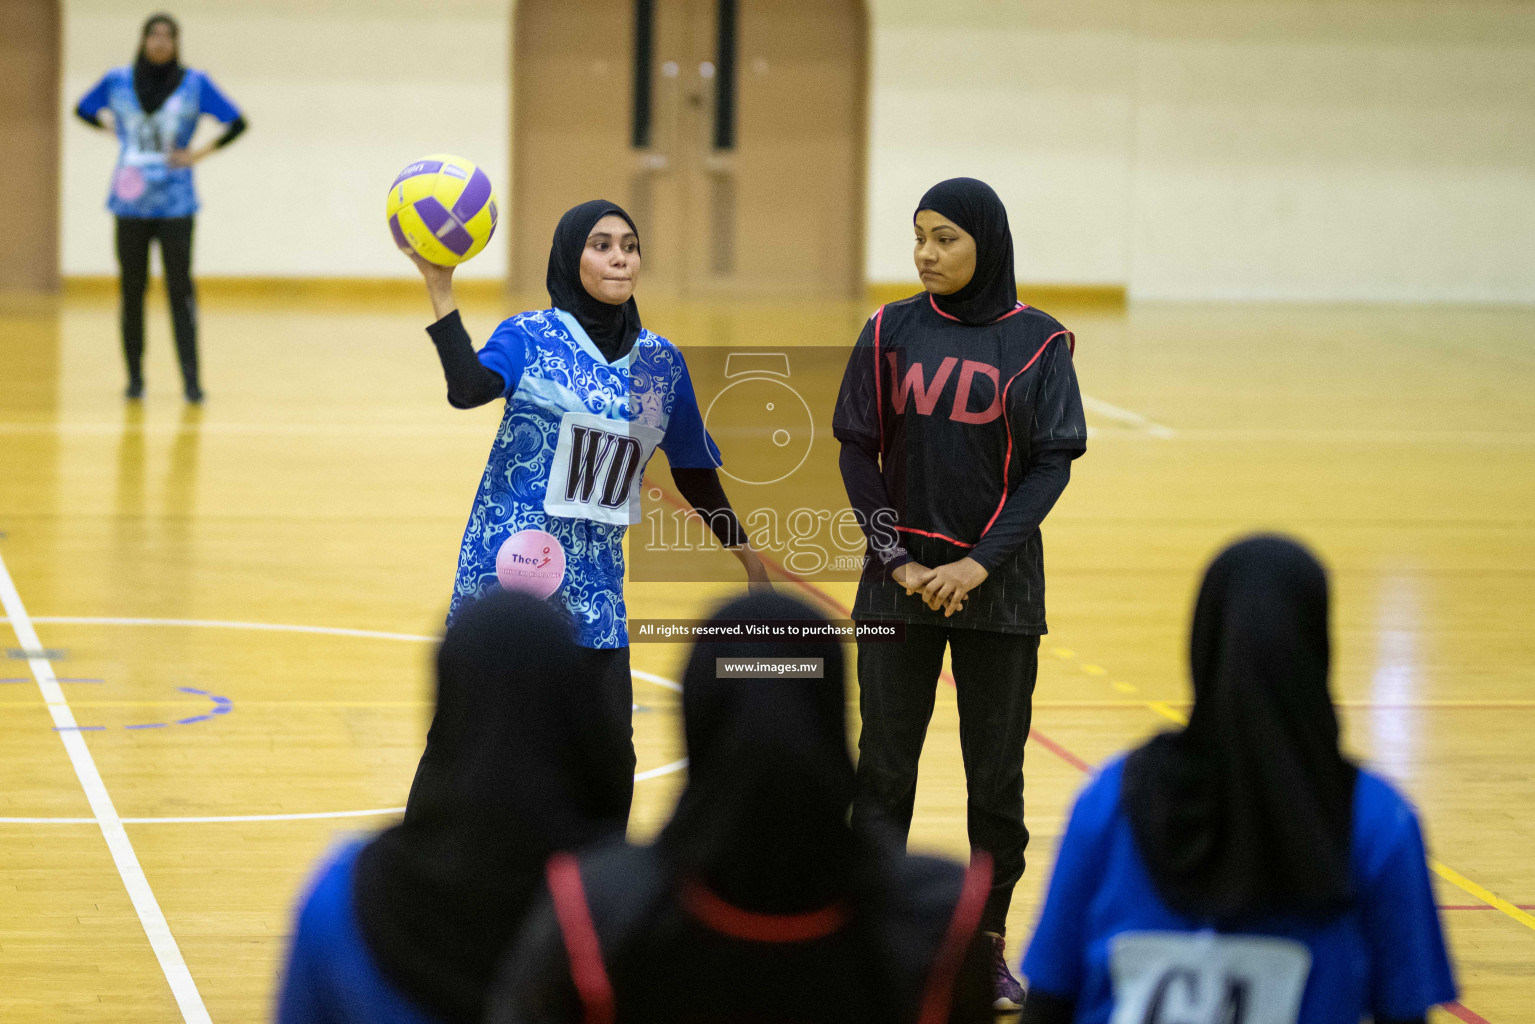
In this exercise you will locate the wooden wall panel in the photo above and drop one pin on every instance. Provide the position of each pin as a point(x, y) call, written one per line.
point(29, 138)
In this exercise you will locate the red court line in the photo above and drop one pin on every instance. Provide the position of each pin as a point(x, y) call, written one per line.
point(1482, 906)
point(1469, 1016)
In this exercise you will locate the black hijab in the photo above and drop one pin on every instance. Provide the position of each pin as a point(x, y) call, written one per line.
point(763, 820)
point(1247, 811)
point(154, 83)
point(513, 771)
point(611, 328)
point(973, 206)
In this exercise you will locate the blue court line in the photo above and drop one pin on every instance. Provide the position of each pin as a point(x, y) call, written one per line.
point(221, 706)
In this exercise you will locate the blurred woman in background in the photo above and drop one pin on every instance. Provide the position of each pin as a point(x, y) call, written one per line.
point(154, 107)
point(1244, 862)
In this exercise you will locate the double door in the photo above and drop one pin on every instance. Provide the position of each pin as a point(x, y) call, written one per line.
point(731, 130)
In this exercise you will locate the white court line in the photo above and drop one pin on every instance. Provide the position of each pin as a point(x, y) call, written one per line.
point(1130, 419)
point(377, 812)
point(272, 627)
point(128, 868)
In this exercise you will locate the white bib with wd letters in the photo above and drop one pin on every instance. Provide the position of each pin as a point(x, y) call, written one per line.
point(597, 469)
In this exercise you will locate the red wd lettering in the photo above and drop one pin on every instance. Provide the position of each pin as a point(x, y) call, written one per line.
point(926, 397)
point(967, 372)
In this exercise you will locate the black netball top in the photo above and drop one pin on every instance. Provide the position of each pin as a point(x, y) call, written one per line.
point(963, 418)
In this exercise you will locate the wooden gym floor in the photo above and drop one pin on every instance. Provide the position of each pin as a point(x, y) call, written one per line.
point(237, 603)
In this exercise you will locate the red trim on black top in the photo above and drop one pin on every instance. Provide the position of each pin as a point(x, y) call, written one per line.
point(879, 398)
point(1008, 458)
point(949, 316)
point(939, 995)
point(581, 945)
point(727, 919)
point(939, 536)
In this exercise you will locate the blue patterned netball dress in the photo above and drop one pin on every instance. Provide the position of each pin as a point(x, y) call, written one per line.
point(569, 457)
point(144, 184)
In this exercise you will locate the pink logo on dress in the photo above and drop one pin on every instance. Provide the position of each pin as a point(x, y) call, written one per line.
point(128, 184)
point(531, 561)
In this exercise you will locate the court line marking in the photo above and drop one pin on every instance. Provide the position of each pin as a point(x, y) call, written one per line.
point(1487, 896)
point(1465, 1013)
point(156, 928)
point(94, 620)
point(1099, 407)
point(376, 812)
point(269, 627)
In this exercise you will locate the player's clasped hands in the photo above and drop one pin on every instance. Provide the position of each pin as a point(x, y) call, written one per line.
point(945, 587)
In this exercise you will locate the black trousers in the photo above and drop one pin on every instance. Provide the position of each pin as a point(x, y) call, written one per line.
point(994, 676)
point(175, 236)
point(611, 665)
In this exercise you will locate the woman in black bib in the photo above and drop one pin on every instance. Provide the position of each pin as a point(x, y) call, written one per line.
point(959, 417)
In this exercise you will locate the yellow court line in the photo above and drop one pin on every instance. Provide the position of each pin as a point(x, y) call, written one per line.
point(1487, 896)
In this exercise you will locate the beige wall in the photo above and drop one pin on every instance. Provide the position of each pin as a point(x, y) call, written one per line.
point(340, 95)
point(1305, 149)
point(1339, 150)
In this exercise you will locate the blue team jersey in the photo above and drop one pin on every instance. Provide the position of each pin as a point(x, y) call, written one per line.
point(569, 457)
point(144, 184)
point(1108, 941)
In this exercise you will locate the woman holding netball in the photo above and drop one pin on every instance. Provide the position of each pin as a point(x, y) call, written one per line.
point(590, 395)
point(1243, 869)
point(959, 417)
point(154, 107)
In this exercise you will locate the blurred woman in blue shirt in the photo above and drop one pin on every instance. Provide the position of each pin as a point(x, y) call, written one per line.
point(1243, 871)
point(407, 927)
point(154, 107)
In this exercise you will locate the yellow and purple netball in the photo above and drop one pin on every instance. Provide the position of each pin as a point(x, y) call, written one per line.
point(443, 209)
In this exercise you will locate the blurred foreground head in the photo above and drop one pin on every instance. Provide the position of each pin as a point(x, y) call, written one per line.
point(513, 771)
point(763, 821)
point(1248, 810)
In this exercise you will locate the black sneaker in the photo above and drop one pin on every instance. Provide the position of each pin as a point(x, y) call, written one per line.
point(135, 390)
point(194, 394)
point(1009, 994)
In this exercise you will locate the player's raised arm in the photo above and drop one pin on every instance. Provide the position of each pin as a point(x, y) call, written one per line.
point(470, 382)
